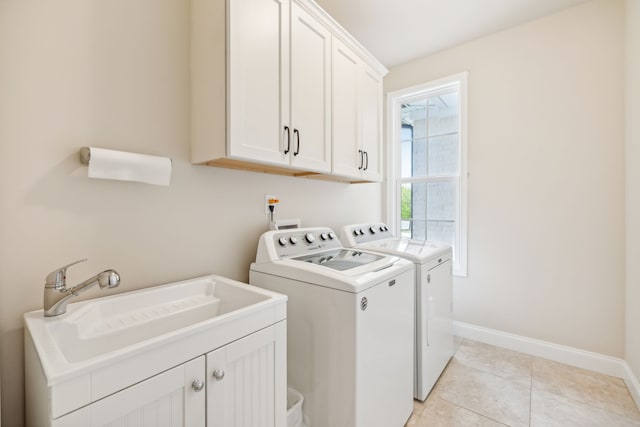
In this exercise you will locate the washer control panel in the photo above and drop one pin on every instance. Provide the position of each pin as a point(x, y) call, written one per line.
point(299, 241)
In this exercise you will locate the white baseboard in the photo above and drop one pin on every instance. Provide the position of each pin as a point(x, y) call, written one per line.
point(632, 383)
point(607, 365)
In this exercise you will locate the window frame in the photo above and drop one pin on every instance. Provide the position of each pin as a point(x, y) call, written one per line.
point(393, 174)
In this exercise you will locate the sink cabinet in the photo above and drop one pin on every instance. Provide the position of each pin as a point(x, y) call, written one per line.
point(168, 399)
point(242, 380)
point(249, 375)
point(229, 370)
point(261, 90)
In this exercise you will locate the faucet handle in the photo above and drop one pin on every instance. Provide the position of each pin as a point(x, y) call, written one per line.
point(58, 278)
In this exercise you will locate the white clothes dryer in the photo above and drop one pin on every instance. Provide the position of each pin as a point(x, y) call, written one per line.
point(434, 345)
point(349, 326)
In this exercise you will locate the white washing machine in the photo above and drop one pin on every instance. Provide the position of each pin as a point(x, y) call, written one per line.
point(349, 326)
point(434, 296)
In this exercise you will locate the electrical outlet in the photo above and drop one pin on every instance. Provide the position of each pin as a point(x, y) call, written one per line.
point(267, 197)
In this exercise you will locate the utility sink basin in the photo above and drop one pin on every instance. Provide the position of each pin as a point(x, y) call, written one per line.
point(109, 324)
point(97, 333)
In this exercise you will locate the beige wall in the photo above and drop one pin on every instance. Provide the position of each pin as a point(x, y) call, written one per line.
point(633, 185)
point(115, 74)
point(546, 176)
point(546, 199)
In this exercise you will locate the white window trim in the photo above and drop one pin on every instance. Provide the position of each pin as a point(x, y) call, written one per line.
point(392, 184)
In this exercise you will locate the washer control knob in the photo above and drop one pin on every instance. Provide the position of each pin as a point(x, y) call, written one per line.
point(355, 232)
point(293, 240)
point(372, 229)
point(324, 236)
point(382, 228)
point(361, 232)
point(332, 235)
point(309, 237)
point(282, 241)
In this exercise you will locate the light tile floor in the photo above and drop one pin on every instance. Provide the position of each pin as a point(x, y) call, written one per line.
point(489, 386)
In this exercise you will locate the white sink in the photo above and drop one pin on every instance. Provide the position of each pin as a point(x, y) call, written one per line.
point(99, 332)
point(110, 324)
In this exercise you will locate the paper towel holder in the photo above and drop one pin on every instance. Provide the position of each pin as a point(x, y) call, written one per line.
point(85, 155)
point(126, 166)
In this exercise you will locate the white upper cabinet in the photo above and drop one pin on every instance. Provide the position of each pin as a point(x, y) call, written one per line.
point(310, 92)
point(347, 154)
point(278, 85)
point(371, 123)
point(357, 116)
point(262, 83)
point(258, 63)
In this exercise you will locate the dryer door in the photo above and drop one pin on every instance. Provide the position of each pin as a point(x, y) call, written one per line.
point(434, 315)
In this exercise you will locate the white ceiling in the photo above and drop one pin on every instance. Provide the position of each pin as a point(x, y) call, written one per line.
point(401, 30)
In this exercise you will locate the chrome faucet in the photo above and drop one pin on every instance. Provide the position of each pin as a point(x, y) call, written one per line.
point(57, 295)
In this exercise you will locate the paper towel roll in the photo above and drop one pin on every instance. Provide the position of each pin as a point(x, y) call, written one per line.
point(124, 166)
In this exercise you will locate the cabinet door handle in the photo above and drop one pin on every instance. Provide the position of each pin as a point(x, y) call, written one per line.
point(360, 153)
point(197, 385)
point(218, 374)
point(296, 135)
point(366, 155)
point(288, 132)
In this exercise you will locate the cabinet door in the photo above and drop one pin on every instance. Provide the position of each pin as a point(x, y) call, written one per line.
point(345, 121)
point(168, 399)
point(246, 384)
point(310, 92)
point(257, 74)
point(371, 123)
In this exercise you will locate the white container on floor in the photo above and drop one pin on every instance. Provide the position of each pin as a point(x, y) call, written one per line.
point(294, 409)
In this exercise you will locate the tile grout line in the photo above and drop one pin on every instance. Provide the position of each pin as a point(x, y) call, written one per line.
point(541, 389)
point(497, 373)
point(593, 405)
point(472, 411)
point(516, 379)
point(438, 385)
point(598, 405)
point(531, 362)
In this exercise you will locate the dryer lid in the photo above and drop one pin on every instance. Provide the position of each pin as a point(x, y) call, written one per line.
point(417, 251)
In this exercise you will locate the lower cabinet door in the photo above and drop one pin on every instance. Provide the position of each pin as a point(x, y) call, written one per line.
point(174, 398)
point(246, 385)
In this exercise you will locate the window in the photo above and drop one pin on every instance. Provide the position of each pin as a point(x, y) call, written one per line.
point(427, 176)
